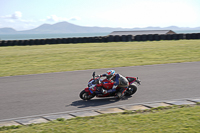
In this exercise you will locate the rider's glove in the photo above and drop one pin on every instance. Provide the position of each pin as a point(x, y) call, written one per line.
point(114, 88)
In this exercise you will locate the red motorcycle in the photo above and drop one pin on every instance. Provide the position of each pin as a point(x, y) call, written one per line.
point(96, 84)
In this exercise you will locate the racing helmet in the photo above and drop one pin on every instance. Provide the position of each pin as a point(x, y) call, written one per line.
point(110, 74)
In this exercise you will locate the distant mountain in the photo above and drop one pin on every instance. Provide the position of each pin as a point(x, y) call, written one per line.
point(7, 31)
point(65, 27)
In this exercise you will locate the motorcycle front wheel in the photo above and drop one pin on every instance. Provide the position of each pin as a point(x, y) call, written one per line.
point(84, 95)
point(131, 90)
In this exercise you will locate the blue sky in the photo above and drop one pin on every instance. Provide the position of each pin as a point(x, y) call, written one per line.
point(28, 14)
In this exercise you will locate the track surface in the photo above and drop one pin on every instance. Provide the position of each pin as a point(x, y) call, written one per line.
point(59, 92)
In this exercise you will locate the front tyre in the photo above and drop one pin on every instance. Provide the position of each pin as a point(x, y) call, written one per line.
point(131, 90)
point(84, 95)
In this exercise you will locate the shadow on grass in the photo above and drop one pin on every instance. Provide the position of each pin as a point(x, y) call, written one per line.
point(96, 102)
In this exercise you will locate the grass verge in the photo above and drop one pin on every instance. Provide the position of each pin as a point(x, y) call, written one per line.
point(23, 60)
point(173, 119)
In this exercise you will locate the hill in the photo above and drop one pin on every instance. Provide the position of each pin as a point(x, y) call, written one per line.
point(7, 31)
point(66, 27)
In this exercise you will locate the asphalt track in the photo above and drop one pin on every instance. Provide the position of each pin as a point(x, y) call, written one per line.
point(59, 92)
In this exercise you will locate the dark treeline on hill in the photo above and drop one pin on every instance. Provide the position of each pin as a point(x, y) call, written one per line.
point(65, 27)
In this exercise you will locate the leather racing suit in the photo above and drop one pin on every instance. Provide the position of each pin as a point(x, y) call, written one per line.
point(119, 81)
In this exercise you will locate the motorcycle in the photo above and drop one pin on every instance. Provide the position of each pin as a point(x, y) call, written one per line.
point(96, 83)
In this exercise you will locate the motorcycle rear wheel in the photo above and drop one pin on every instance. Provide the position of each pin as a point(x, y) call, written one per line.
point(84, 95)
point(131, 90)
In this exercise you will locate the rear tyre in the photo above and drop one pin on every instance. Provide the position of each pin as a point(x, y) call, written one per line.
point(84, 95)
point(131, 90)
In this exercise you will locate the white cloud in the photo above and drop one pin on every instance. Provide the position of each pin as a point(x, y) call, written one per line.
point(15, 15)
point(16, 21)
point(75, 18)
point(54, 18)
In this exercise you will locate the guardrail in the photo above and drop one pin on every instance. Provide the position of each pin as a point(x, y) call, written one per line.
point(99, 39)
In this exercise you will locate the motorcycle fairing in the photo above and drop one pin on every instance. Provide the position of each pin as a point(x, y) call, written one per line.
point(131, 79)
point(107, 84)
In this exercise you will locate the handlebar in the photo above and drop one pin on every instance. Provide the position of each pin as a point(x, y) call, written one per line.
point(98, 78)
point(138, 81)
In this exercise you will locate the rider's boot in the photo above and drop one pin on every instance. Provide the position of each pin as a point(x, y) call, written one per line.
point(120, 94)
point(104, 91)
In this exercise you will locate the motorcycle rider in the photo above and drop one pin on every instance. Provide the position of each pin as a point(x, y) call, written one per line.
point(119, 81)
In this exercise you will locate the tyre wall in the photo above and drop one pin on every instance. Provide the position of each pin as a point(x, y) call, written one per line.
point(99, 39)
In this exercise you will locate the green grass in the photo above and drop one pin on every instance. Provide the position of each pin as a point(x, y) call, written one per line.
point(177, 119)
point(23, 60)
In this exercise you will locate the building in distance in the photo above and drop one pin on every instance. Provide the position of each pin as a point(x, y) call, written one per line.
point(141, 32)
